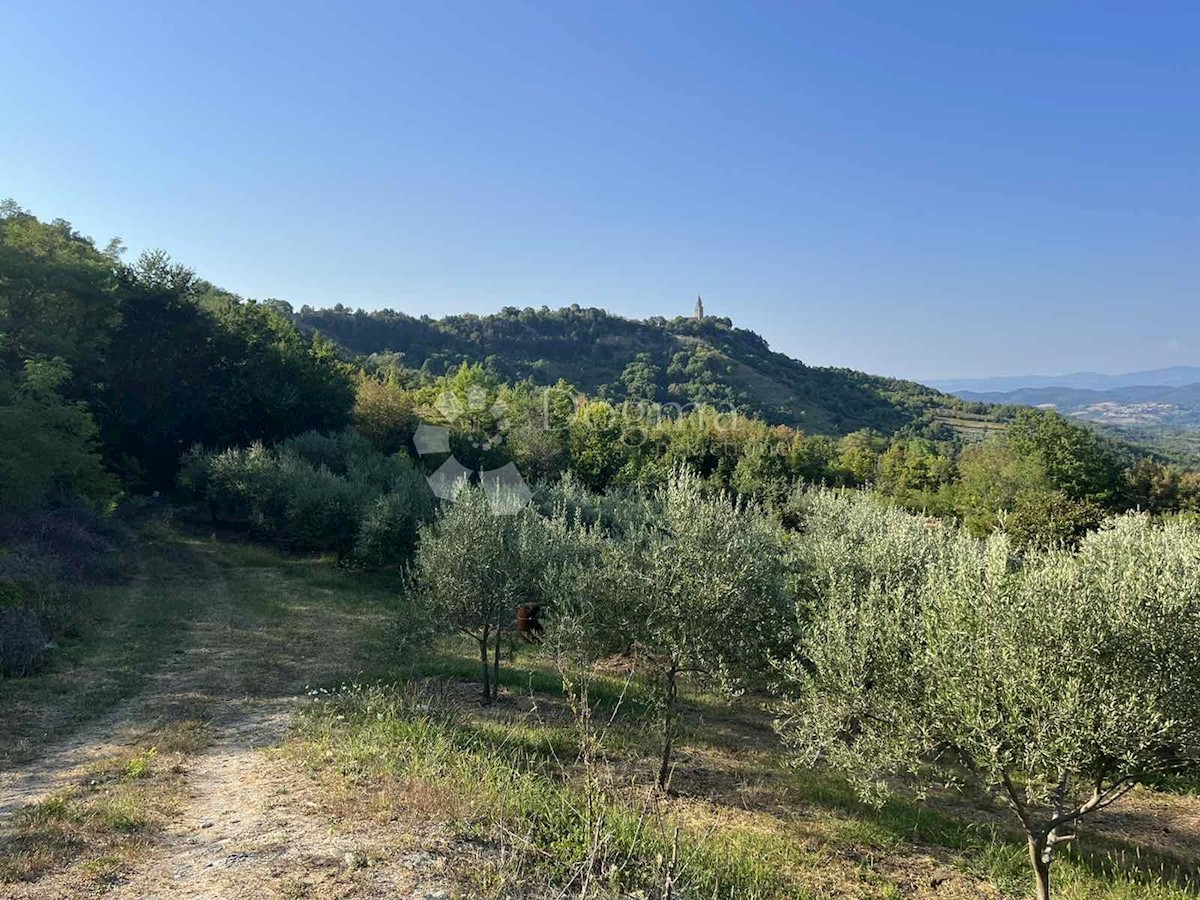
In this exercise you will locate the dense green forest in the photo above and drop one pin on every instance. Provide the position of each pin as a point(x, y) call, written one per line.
point(111, 371)
point(138, 361)
point(678, 360)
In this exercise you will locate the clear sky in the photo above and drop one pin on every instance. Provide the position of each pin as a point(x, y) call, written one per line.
point(919, 189)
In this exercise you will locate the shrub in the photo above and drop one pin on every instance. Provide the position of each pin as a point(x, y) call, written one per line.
point(377, 474)
point(1050, 519)
point(313, 494)
point(323, 511)
point(270, 490)
point(235, 482)
point(336, 452)
point(23, 641)
point(47, 557)
point(391, 522)
point(617, 511)
point(195, 471)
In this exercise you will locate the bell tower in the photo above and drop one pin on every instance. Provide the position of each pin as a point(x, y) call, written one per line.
point(699, 314)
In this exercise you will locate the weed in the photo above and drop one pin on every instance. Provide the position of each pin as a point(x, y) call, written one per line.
point(139, 765)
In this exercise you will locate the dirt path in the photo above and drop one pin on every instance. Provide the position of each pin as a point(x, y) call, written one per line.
point(249, 824)
point(246, 833)
point(180, 676)
point(67, 760)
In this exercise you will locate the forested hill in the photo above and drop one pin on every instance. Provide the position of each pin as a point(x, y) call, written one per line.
point(677, 360)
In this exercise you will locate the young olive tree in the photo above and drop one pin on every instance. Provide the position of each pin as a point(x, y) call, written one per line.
point(584, 624)
point(1060, 681)
point(233, 482)
point(323, 510)
point(702, 582)
point(472, 568)
point(862, 566)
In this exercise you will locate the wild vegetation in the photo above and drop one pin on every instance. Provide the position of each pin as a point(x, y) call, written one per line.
point(717, 655)
point(680, 360)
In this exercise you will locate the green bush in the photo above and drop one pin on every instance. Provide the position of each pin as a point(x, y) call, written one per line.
point(379, 474)
point(195, 472)
point(1058, 679)
point(1050, 519)
point(323, 511)
point(391, 522)
point(22, 641)
point(337, 452)
point(316, 492)
point(235, 482)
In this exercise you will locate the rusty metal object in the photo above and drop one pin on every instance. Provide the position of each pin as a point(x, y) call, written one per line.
point(528, 625)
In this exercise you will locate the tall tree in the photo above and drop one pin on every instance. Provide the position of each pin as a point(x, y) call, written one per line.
point(1076, 460)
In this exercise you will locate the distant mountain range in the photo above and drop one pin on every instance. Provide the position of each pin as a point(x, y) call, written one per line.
point(1174, 376)
point(1151, 401)
point(1138, 406)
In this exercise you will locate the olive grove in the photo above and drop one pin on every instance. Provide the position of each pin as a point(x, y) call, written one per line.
point(1058, 679)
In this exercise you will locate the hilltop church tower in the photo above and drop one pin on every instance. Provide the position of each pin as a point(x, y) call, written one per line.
point(699, 314)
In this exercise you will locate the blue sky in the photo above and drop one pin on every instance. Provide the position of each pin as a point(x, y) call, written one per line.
point(923, 190)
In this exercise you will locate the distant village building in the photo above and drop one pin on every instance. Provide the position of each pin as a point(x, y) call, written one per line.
point(699, 315)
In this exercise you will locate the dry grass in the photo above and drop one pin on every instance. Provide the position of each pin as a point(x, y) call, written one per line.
point(203, 636)
point(104, 822)
point(795, 832)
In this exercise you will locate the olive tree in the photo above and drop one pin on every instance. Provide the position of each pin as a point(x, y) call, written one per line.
point(391, 521)
point(702, 581)
point(584, 619)
point(862, 565)
point(588, 618)
point(1059, 680)
point(473, 566)
point(231, 480)
point(323, 510)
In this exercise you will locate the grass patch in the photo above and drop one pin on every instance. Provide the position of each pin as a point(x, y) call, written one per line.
point(276, 624)
point(992, 849)
point(119, 632)
point(102, 825)
point(500, 782)
point(240, 620)
point(139, 765)
point(510, 778)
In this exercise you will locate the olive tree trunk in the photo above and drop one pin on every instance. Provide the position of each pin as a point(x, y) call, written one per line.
point(483, 655)
point(664, 771)
point(1040, 857)
point(496, 664)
